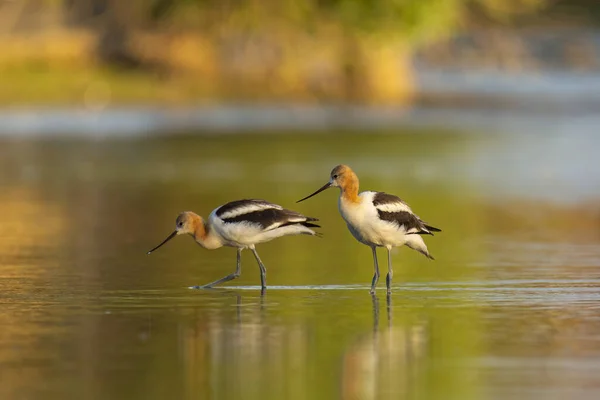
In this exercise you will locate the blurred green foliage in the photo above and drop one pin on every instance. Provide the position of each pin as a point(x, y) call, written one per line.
point(187, 50)
point(415, 19)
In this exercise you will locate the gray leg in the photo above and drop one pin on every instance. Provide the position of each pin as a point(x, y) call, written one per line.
point(229, 277)
point(263, 270)
point(390, 274)
point(376, 266)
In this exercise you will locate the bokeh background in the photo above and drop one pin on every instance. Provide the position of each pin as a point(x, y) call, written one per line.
point(117, 115)
point(102, 53)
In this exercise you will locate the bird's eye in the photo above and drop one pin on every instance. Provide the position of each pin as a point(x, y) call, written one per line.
point(335, 176)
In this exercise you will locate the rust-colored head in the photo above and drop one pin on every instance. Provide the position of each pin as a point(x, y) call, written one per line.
point(186, 223)
point(341, 176)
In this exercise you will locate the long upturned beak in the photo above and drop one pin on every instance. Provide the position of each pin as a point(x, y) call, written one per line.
point(171, 236)
point(325, 186)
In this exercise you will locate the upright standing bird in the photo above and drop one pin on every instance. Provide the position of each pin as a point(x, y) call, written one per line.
point(377, 219)
point(242, 224)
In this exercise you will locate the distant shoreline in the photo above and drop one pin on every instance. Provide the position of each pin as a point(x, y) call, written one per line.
point(144, 121)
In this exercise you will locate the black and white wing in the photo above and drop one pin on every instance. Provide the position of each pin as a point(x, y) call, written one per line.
point(392, 209)
point(266, 215)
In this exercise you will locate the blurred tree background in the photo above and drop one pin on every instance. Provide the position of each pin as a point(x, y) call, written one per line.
point(177, 51)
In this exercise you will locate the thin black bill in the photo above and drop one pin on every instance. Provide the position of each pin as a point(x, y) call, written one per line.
point(326, 186)
point(171, 236)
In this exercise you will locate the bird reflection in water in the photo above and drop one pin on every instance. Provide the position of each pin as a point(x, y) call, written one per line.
point(239, 348)
point(386, 363)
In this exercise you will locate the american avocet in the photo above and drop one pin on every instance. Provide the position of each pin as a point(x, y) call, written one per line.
point(242, 224)
point(377, 219)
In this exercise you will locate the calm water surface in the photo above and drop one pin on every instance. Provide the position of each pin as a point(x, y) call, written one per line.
point(509, 309)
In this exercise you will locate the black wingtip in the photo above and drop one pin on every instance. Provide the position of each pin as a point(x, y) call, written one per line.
point(432, 228)
point(421, 233)
point(310, 225)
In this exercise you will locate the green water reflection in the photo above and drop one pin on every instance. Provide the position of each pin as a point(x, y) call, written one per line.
point(86, 314)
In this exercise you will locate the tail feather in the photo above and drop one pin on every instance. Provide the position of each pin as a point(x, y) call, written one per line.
point(426, 254)
point(416, 243)
point(311, 225)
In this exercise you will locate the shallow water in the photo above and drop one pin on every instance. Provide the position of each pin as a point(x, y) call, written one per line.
point(509, 309)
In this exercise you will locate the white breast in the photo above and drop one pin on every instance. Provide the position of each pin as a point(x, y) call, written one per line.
point(357, 216)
